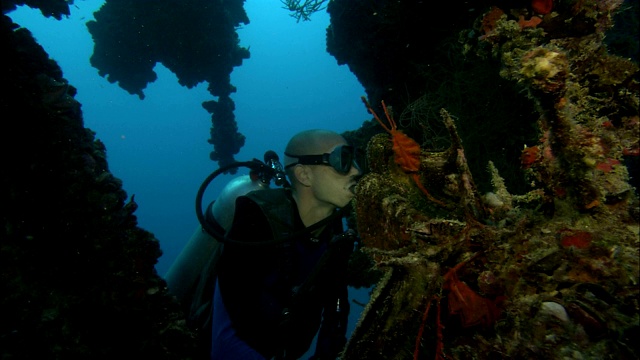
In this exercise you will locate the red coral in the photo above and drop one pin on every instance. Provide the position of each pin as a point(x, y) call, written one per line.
point(607, 124)
point(578, 239)
point(472, 308)
point(631, 151)
point(542, 6)
point(529, 156)
point(490, 19)
point(560, 192)
point(607, 165)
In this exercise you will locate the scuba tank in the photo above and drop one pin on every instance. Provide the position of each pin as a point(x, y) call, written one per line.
point(224, 207)
point(185, 278)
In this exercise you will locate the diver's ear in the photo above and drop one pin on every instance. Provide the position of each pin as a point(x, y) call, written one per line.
point(303, 175)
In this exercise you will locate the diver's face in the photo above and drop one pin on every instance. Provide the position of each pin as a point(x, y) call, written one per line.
point(332, 187)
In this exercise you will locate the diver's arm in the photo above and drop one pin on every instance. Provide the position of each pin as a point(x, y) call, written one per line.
point(225, 342)
point(241, 265)
point(243, 270)
point(335, 316)
point(332, 336)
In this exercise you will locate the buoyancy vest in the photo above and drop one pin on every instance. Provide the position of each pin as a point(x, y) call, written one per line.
point(278, 207)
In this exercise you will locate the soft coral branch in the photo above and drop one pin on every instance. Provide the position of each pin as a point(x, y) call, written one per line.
point(303, 9)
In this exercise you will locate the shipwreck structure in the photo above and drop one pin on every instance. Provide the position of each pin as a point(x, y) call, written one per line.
point(551, 272)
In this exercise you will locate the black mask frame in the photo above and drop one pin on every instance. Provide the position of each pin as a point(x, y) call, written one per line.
point(341, 159)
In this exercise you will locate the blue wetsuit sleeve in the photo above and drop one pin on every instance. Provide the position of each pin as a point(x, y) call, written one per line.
point(225, 344)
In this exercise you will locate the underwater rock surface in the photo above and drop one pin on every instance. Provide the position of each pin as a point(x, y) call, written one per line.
point(77, 274)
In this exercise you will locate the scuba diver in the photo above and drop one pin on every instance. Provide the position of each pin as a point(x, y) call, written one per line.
point(276, 274)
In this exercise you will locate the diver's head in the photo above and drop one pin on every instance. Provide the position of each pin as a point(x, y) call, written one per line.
point(322, 165)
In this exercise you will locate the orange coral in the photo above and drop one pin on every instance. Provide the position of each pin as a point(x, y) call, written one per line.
point(592, 204)
point(406, 150)
point(531, 23)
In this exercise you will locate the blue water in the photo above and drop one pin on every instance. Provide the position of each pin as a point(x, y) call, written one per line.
point(158, 146)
